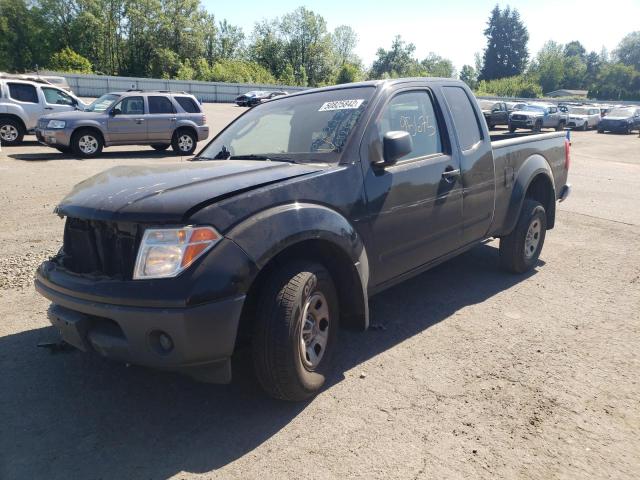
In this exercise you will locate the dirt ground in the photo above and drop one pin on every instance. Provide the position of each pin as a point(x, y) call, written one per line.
point(469, 373)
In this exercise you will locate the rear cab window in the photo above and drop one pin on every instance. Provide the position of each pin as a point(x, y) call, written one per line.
point(187, 104)
point(465, 118)
point(23, 92)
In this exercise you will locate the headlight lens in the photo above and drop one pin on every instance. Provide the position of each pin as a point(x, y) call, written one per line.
point(56, 124)
point(166, 252)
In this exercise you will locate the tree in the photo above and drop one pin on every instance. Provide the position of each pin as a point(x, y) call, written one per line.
point(344, 40)
point(506, 53)
point(617, 82)
point(548, 66)
point(469, 76)
point(66, 60)
point(575, 49)
point(230, 41)
point(437, 66)
point(349, 73)
point(396, 62)
point(628, 51)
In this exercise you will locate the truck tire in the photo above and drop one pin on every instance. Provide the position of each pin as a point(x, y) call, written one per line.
point(184, 142)
point(511, 129)
point(86, 143)
point(538, 126)
point(600, 130)
point(295, 330)
point(519, 251)
point(560, 126)
point(585, 126)
point(11, 132)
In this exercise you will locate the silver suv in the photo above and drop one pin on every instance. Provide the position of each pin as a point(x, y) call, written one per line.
point(135, 117)
point(23, 100)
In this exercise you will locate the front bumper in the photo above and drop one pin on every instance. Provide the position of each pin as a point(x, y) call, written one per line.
point(201, 338)
point(528, 123)
point(53, 138)
point(615, 127)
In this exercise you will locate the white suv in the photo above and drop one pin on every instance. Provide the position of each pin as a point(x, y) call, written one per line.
point(23, 102)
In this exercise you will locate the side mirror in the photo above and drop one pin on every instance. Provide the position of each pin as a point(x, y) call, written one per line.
point(395, 145)
point(115, 111)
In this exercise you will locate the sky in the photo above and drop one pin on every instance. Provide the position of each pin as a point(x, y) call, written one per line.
point(450, 28)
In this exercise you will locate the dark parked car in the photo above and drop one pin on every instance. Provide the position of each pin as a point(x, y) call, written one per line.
point(495, 113)
point(287, 222)
point(251, 99)
point(621, 120)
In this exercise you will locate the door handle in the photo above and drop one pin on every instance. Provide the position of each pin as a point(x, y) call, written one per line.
point(173, 119)
point(139, 120)
point(48, 108)
point(450, 174)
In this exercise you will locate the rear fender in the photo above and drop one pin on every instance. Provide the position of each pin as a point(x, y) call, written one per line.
point(532, 167)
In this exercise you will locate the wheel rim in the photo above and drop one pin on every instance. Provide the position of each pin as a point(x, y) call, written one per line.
point(314, 333)
point(185, 143)
point(8, 133)
point(88, 144)
point(533, 238)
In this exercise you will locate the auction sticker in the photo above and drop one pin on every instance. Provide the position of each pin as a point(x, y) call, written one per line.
point(341, 105)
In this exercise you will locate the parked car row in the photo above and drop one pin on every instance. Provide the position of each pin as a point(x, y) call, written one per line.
point(161, 119)
point(255, 97)
point(538, 115)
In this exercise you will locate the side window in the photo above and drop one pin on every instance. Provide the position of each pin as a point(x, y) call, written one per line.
point(187, 104)
point(412, 112)
point(54, 96)
point(131, 106)
point(464, 117)
point(23, 92)
point(160, 105)
point(553, 110)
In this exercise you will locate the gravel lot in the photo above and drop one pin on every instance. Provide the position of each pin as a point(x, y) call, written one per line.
point(469, 373)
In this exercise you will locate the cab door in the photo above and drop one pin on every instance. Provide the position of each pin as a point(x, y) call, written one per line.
point(126, 123)
point(415, 205)
point(56, 100)
point(161, 119)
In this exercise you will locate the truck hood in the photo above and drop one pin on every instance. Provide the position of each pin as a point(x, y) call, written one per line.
point(167, 193)
point(618, 118)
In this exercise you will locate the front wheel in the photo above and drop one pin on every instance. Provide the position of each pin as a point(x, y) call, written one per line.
point(512, 129)
point(560, 126)
point(86, 143)
point(520, 250)
point(295, 331)
point(600, 130)
point(585, 127)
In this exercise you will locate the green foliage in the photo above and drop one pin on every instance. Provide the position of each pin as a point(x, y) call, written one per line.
point(349, 73)
point(617, 82)
point(66, 60)
point(506, 53)
point(469, 76)
point(399, 61)
point(520, 86)
point(240, 71)
point(628, 51)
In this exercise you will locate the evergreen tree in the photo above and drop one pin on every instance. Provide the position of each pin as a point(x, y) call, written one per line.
point(506, 53)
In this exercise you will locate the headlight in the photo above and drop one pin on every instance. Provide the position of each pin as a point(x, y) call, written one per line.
point(56, 124)
point(166, 252)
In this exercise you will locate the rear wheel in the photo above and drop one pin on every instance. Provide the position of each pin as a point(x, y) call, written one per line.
point(86, 143)
point(159, 147)
point(585, 126)
point(295, 330)
point(520, 250)
point(11, 132)
point(184, 142)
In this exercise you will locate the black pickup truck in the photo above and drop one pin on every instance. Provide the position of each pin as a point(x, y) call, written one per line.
point(284, 225)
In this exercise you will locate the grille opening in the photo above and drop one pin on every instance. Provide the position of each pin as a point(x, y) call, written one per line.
point(100, 248)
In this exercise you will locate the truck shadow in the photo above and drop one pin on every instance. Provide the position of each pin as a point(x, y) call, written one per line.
point(108, 154)
point(76, 415)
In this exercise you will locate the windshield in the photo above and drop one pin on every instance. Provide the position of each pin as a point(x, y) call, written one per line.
point(533, 108)
point(486, 104)
point(102, 103)
point(309, 127)
point(621, 112)
point(579, 110)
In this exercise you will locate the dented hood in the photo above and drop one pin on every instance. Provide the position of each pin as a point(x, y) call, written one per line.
point(169, 193)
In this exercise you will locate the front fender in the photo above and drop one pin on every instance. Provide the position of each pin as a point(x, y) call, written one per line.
point(270, 232)
point(532, 167)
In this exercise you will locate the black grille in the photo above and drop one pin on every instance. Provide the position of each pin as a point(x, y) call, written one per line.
point(100, 248)
point(519, 117)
